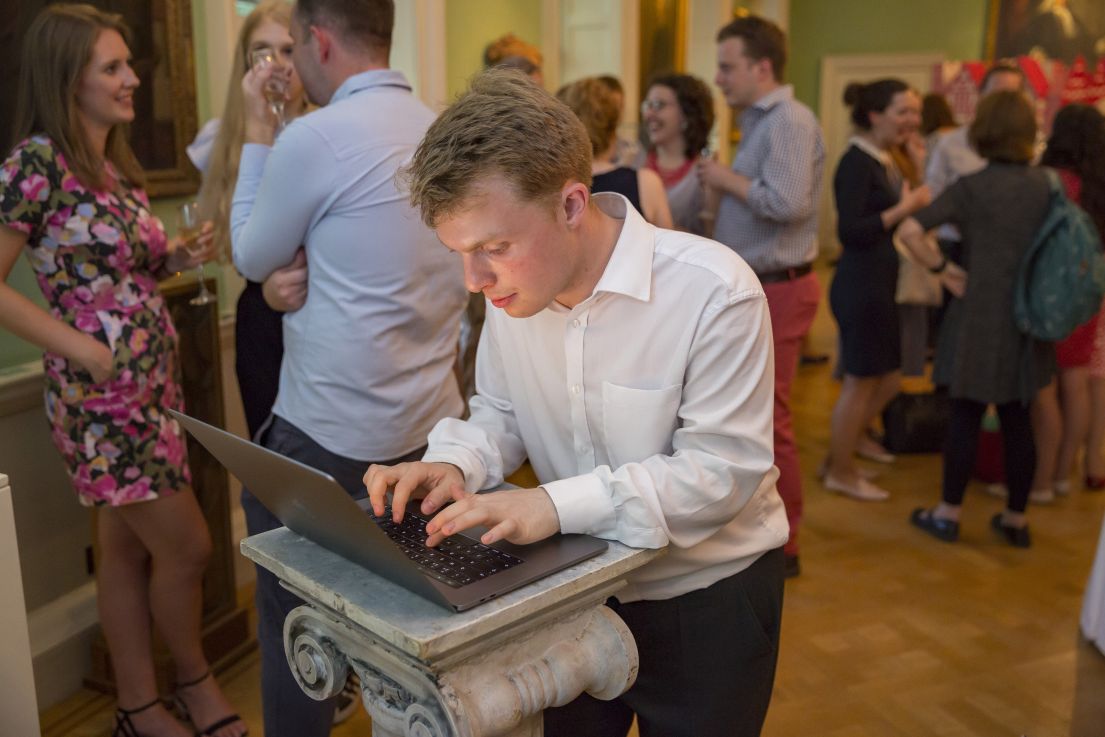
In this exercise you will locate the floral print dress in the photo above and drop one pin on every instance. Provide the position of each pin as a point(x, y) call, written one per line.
point(94, 254)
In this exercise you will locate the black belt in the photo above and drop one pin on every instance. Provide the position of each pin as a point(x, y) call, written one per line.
point(772, 277)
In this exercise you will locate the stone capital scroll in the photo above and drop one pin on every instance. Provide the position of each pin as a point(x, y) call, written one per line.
point(500, 689)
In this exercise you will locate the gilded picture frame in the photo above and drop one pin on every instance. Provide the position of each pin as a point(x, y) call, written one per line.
point(161, 45)
point(1057, 29)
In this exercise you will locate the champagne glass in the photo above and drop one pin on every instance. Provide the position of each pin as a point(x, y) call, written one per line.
point(276, 88)
point(189, 226)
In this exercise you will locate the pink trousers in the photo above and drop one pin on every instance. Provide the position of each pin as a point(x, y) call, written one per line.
point(793, 305)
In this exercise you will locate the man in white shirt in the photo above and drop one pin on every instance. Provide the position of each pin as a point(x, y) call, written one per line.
point(633, 366)
point(368, 359)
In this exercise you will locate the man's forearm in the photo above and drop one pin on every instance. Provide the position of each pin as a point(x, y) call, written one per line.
point(736, 185)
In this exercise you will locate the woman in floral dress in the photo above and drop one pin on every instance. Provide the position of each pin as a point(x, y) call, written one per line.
point(71, 199)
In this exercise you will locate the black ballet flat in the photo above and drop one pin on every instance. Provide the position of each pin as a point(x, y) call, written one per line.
point(1016, 536)
point(942, 529)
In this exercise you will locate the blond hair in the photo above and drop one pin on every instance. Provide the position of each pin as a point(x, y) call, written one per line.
point(509, 46)
point(596, 106)
point(222, 171)
point(506, 126)
point(56, 50)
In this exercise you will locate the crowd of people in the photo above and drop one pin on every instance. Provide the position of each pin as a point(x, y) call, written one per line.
point(639, 313)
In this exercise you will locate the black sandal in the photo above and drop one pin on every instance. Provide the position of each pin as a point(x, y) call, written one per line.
point(186, 715)
point(942, 529)
point(124, 727)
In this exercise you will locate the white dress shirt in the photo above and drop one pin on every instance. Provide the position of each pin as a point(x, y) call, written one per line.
point(646, 410)
point(368, 360)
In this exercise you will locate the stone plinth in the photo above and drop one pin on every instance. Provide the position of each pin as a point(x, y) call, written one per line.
point(428, 672)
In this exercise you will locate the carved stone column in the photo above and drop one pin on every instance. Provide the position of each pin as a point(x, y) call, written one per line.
point(427, 672)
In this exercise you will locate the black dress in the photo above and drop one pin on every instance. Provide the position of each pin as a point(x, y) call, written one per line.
point(622, 180)
point(862, 292)
point(259, 347)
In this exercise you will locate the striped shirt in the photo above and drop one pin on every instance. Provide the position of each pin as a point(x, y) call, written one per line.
point(783, 153)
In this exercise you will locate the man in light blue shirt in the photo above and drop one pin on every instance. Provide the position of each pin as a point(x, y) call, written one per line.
point(368, 359)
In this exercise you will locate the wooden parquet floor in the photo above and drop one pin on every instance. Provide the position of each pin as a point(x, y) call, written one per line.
point(888, 632)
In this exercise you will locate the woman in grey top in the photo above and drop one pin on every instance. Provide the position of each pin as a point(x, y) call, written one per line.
point(677, 115)
point(982, 358)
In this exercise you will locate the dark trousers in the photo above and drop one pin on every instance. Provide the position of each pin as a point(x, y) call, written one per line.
point(961, 445)
point(707, 662)
point(287, 711)
point(259, 348)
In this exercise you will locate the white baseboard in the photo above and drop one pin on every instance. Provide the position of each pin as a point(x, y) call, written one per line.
point(61, 634)
point(63, 618)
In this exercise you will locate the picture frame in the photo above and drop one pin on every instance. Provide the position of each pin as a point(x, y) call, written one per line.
point(1057, 29)
point(161, 45)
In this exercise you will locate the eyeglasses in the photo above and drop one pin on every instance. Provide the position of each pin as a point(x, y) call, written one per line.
point(653, 105)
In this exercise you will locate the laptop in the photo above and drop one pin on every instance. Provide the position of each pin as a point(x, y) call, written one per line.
point(458, 574)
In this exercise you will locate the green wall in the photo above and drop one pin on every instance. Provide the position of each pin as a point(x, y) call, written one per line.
point(823, 27)
point(471, 24)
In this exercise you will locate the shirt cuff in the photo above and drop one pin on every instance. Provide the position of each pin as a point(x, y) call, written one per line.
point(468, 462)
point(582, 503)
point(253, 158)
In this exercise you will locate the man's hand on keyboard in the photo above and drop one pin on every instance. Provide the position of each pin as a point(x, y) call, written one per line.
point(520, 516)
point(431, 481)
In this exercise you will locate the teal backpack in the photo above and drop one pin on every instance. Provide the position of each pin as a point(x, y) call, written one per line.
point(1061, 279)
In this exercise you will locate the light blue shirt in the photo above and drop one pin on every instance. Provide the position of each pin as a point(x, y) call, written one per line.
point(368, 360)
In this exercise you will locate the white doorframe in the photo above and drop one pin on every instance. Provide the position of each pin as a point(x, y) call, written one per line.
point(430, 37)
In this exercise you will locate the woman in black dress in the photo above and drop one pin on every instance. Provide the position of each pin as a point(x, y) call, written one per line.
point(982, 357)
point(871, 200)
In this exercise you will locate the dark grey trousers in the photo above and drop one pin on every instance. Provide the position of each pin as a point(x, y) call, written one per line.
point(707, 662)
point(287, 711)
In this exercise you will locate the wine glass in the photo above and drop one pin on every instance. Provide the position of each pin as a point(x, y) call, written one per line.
point(276, 88)
point(189, 226)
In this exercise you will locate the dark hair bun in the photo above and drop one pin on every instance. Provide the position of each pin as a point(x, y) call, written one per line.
point(852, 93)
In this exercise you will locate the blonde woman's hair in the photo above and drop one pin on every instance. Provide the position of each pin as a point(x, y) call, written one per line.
point(56, 50)
point(596, 106)
point(505, 126)
point(222, 170)
point(508, 46)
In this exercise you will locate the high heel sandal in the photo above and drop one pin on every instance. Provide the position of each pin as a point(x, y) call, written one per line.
point(124, 727)
point(186, 715)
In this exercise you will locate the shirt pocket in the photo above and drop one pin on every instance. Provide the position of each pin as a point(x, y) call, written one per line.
point(639, 423)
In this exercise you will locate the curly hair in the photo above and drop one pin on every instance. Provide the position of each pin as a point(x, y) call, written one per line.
point(1077, 143)
point(697, 105)
point(504, 125)
point(594, 104)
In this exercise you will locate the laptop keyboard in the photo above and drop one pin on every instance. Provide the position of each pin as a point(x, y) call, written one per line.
point(456, 561)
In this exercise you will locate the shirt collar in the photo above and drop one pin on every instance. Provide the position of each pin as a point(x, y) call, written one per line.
point(782, 93)
point(876, 153)
point(368, 80)
point(629, 270)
